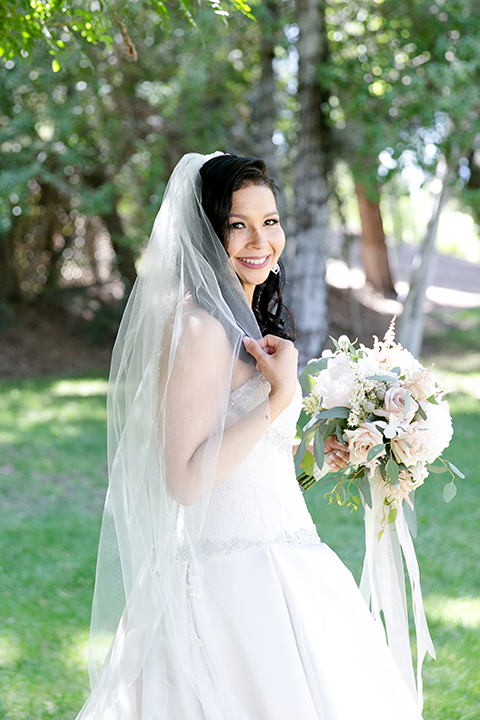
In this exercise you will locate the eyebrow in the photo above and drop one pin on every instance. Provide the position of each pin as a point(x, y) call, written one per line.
point(245, 217)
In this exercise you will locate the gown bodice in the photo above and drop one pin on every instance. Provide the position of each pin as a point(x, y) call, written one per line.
point(262, 500)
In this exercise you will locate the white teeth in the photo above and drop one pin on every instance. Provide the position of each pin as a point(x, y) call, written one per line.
point(254, 262)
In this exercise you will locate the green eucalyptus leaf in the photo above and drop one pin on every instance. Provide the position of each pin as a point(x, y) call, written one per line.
point(449, 491)
point(374, 451)
point(319, 449)
point(335, 412)
point(299, 455)
point(364, 487)
point(383, 378)
point(437, 468)
point(314, 367)
point(392, 470)
point(383, 472)
point(339, 434)
point(311, 425)
point(455, 470)
point(422, 412)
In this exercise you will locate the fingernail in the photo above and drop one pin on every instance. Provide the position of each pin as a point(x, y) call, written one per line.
point(246, 341)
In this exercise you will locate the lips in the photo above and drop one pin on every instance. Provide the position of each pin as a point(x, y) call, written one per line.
point(253, 262)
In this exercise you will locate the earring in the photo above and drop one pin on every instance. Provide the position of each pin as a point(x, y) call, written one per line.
point(275, 269)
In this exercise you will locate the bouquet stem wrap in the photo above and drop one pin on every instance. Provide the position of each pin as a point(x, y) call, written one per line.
point(383, 586)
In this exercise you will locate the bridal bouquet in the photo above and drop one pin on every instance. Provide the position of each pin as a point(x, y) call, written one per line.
point(388, 412)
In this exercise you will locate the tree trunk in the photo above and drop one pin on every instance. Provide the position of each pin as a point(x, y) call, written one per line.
point(10, 291)
point(410, 324)
point(311, 187)
point(125, 257)
point(374, 249)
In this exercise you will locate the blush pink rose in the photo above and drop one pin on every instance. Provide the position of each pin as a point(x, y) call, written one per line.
point(361, 441)
point(394, 404)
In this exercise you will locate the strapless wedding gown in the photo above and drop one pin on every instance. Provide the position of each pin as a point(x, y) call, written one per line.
point(296, 638)
point(285, 632)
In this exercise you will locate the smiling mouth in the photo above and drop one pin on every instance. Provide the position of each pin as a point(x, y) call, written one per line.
point(257, 263)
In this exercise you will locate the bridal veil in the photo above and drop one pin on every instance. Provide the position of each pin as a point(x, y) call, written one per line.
point(183, 328)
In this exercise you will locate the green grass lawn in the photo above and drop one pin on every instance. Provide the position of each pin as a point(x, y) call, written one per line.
point(52, 484)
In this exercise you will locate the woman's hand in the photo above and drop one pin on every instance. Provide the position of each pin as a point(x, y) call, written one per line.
point(338, 456)
point(277, 360)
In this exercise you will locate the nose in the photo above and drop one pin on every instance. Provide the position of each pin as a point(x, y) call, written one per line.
point(257, 238)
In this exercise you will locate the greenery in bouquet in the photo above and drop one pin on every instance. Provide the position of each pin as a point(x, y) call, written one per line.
point(388, 412)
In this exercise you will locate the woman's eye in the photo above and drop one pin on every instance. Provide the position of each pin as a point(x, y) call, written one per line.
point(236, 226)
point(272, 221)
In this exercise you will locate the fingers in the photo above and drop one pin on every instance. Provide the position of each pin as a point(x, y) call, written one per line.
point(253, 348)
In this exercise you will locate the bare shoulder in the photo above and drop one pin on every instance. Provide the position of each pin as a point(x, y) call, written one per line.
point(202, 329)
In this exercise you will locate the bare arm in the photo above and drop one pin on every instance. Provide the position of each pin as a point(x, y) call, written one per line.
point(200, 451)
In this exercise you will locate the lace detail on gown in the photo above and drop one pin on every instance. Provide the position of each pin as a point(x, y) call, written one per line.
point(261, 502)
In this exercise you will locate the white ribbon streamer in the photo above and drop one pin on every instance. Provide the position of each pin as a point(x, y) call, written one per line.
point(383, 587)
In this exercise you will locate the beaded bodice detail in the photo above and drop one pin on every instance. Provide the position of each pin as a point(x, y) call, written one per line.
point(262, 500)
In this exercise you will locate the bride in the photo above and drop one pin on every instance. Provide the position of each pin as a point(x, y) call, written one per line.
point(215, 599)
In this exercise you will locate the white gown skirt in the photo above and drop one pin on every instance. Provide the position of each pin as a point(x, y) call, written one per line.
point(294, 638)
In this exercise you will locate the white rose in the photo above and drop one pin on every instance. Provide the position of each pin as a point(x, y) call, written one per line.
point(367, 366)
point(416, 445)
point(438, 425)
point(334, 384)
point(361, 441)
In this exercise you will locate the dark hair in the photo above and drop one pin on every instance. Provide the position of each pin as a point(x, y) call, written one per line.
point(221, 177)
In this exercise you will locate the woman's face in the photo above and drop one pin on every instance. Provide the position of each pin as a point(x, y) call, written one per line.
point(256, 238)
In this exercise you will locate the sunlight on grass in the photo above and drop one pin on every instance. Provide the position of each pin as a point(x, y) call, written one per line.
point(10, 652)
point(83, 388)
point(464, 611)
point(76, 651)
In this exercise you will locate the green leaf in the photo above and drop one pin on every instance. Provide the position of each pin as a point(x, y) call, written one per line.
point(55, 66)
point(422, 412)
point(319, 449)
point(335, 412)
point(307, 382)
point(299, 455)
point(455, 470)
point(311, 425)
point(374, 451)
point(392, 515)
point(383, 378)
point(314, 367)
point(437, 468)
point(308, 463)
point(339, 434)
point(383, 472)
point(364, 487)
point(449, 491)
point(392, 470)
point(410, 517)
point(396, 370)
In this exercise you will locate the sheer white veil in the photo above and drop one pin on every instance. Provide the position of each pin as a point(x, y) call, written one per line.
point(186, 287)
